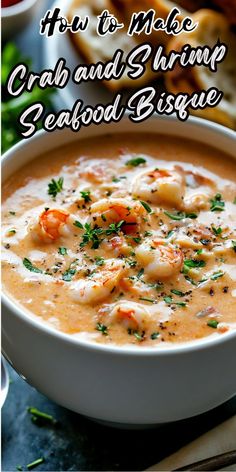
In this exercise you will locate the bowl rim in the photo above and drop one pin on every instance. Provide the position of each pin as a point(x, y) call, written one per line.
point(21, 7)
point(35, 322)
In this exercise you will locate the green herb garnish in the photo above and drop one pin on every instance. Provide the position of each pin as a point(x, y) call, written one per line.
point(37, 414)
point(177, 292)
point(154, 335)
point(62, 251)
point(68, 274)
point(194, 263)
point(135, 162)
point(138, 336)
point(78, 224)
point(137, 240)
point(217, 275)
point(217, 204)
point(99, 261)
point(140, 274)
point(146, 206)
point(189, 279)
point(102, 328)
point(34, 464)
point(91, 235)
point(118, 179)
point(146, 299)
point(217, 231)
point(85, 194)
point(234, 245)
point(55, 187)
point(213, 323)
point(114, 228)
point(180, 215)
point(28, 265)
point(170, 301)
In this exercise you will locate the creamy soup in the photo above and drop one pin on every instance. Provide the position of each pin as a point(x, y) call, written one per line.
point(125, 239)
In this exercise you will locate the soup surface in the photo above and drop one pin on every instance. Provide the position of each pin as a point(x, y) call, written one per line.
point(125, 239)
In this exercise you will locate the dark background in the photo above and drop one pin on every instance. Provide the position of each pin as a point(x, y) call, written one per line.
point(77, 443)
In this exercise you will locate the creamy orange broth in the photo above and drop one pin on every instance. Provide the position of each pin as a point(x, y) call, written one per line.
point(111, 264)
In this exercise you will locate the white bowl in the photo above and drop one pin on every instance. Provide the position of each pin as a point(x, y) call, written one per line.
point(16, 17)
point(138, 386)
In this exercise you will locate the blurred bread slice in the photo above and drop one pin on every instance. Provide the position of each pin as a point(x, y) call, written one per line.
point(228, 7)
point(95, 48)
point(128, 7)
point(164, 7)
point(212, 26)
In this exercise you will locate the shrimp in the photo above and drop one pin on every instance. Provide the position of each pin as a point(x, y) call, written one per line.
point(160, 185)
point(193, 236)
point(131, 315)
point(160, 259)
point(199, 191)
point(52, 224)
point(100, 285)
point(113, 210)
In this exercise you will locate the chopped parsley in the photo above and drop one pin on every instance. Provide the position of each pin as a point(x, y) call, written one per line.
point(154, 335)
point(135, 162)
point(114, 228)
point(180, 215)
point(12, 213)
point(147, 233)
point(85, 194)
point(234, 245)
point(62, 251)
point(91, 235)
point(102, 328)
point(137, 240)
point(68, 274)
point(213, 323)
point(217, 231)
point(28, 265)
point(217, 204)
point(146, 206)
point(55, 187)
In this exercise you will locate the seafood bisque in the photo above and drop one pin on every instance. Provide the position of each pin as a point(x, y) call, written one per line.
point(126, 239)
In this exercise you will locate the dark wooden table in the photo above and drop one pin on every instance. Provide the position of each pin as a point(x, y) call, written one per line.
point(77, 443)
